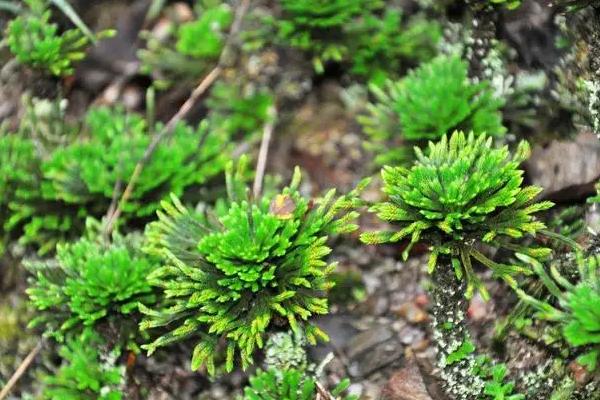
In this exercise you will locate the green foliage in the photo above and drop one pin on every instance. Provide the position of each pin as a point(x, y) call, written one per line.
point(36, 41)
point(89, 281)
point(459, 194)
point(237, 111)
point(431, 101)
point(495, 376)
point(289, 384)
point(87, 171)
point(204, 37)
point(17, 164)
point(229, 277)
point(381, 45)
point(510, 4)
point(574, 306)
point(596, 198)
point(187, 49)
point(84, 374)
point(78, 179)
point(318, 26)
point(467, 347)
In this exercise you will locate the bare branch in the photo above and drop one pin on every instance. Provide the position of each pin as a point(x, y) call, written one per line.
point(263, 153)
point(21, 370)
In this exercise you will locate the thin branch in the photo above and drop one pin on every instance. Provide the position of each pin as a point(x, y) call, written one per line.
point(322, 393)
point(21, 370)
point(263, 153)
point(204, 85)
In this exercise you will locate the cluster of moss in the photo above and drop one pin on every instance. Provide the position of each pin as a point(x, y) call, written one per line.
point(200, 258)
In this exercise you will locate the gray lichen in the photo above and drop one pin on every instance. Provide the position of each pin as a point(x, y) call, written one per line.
point(450, 332)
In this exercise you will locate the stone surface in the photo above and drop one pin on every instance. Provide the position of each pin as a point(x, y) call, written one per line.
point(566, 170)
point(406, 384)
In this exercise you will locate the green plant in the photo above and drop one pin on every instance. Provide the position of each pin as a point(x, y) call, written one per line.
point(318, 26)
point(90, 281)
point(18, 162)
point(84, 374)
point(382, 45)
point(290, 384)
point(79, 179)
point(231, 277)
point(510, 4)
point(187, 49)
point(35, 41)
point(496, 387)
point(460, 194)
point(431, 101)
point(204, 37)
point(237, 111)
point(574, 304)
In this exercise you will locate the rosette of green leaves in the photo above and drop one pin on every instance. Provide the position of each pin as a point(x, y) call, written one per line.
point(230, 277)
point(90, 281)
point(79, 180)
point(433, 100)
point(36, 41)
point(459, 194)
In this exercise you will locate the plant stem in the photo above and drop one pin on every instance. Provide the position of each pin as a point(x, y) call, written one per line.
point(484, 32)
point(450, 331)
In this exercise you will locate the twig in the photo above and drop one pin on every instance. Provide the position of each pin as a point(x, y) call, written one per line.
point(21, 370)
point(322, 393)
point(263, 153)
point(204, 85)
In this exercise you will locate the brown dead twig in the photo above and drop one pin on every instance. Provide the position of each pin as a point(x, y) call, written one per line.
point(263, 153)
point(202, 87)
point(323, 394)
point(21, 370)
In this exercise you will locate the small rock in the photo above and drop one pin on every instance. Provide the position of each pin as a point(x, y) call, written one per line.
point(566, 170)
point(406, 384)
point(477, 310)
point(411, 312)
point(369, 339)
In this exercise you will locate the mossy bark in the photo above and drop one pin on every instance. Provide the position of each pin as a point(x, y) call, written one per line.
point(483, 34)
point(450, 333)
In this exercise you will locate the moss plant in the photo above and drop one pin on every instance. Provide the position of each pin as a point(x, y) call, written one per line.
point(36, 41)
point(187, 49)
point(237, 110)
point(459, 195)
point(78, 180)
point(255, 265)
point(383, 45)
point(574, 305)
point(86, 373)
point(18, 160)
point(431, 101)
point(318, 26)
point(91, 281)
point(289, 384)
